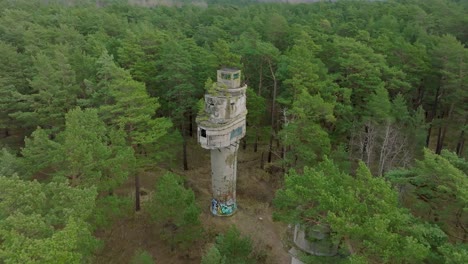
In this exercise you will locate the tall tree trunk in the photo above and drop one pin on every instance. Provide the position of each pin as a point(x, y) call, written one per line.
point(428, 137)
point(283, 157)
point(283, 148)
point(440, 144)
point(190, 118)
point(137, 176)
point(434, 113)
point(367, 144)
point(273, 104)
point(184, 147)
point(259, 93)
point(262, 164)
point(384, 149)
point(439, 141)
point(270, 148)
point(363, 143)
point(137, 193)
point(461, 140)
point(260, 81)
point(461, 143)
point(370, 146)
point(461, 225)
point(256, 140)
point(418, 101)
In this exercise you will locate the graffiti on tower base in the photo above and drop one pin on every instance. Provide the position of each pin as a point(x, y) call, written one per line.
point(222, 208)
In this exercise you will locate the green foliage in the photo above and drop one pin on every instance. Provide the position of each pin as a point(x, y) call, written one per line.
point(14, 73)
point(303, 70)
point(126, 104)
point(86, 152)
point(234, 248)
point(45, 223)
point(213, 256)
point(355, 80)
point(53, 92)
point(311, 259)
point(362, 212)
point(225, 57)
point(379, 105)
point(176, 73)
point(256, 106)
point(39, 152)
point(454, 254)
point(210, 87)
point(139, 52)
point(276, 30)
point(303, 133)
point(437, 190)
point(258, 58)
point(109, 209)
point(173, 208)
point(230, 248)
point(450, 57)
point(457, 162)
point(309, 104)
point(9, 163)
point(142, 257)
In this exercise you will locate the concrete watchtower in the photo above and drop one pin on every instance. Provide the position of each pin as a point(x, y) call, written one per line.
point(220, 128)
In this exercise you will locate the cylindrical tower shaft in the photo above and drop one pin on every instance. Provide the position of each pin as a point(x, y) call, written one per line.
point(223, 180)
point(220, 127)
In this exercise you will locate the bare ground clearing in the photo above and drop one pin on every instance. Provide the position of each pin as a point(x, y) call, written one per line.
point(255, 190)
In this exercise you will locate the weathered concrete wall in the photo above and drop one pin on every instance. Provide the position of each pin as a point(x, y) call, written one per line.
point(229, 77)
point(318, 243)
point(221, 108)
point(223, 180)
point(220, 128)
point(294, 256)
point(222, 136)
point(296, 261)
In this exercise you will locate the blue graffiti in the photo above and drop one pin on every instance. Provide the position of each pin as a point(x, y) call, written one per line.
point(236, 132)
point(214, 206)
point(220, 208)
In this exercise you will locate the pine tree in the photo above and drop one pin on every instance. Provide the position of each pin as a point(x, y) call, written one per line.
point(174, 209)
point(86, 153)
point(125, 104)
point(45, 223)
point(177, 76)
point(437, 191)
point(234, 248)
point(212, 256)
point(54, 91)
point(362, 212)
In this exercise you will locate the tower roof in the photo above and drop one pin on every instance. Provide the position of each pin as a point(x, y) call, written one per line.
point(227, 69)
point(229, 77)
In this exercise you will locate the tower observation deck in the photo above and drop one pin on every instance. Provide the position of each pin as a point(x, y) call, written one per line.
point(220, 128)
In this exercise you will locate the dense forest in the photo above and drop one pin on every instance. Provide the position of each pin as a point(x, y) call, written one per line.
point(357, 121)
